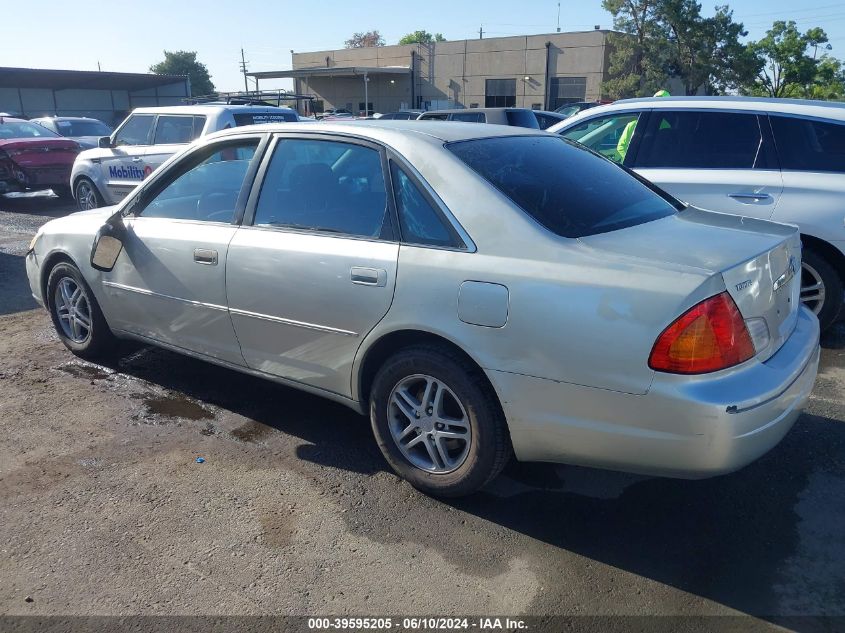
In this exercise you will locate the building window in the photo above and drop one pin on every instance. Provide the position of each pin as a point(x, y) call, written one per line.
point(565, 90)
point(369, 109)
point(500, 93)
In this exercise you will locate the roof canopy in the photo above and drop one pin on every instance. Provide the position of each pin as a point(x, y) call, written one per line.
point(332, 71)
point(82, 79)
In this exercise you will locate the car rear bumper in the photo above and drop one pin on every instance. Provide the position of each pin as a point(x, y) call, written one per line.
point(685, 426)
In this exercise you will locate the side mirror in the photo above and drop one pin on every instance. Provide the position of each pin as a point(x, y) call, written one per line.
point(104, 142)
point(108, 243)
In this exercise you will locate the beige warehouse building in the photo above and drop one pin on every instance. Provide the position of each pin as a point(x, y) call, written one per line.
point(531, 71)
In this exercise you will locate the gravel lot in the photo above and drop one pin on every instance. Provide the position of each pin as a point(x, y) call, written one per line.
point(104, 510)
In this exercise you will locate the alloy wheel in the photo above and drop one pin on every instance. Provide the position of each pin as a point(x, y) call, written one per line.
point(86, 196)
point(429, 424)
point(812, 288)
point(73, 310)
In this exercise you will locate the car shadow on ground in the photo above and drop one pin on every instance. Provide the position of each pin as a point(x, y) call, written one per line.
point(762, 541)
point(40, 203)
point(14, 287)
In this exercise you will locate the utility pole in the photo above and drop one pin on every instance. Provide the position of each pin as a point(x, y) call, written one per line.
point(101, 70)
point(243, 70)
point(558, 17)
point(481, 32)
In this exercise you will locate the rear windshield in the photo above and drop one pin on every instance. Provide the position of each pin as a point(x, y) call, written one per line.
point(23, 129)
point(82, 128)
point(522, 118)
point(566, 188)
point(256, 118)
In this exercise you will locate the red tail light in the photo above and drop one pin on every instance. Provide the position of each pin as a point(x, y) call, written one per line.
point(708, 337)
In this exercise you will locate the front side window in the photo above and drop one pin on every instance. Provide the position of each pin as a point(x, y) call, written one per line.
point(325, 186)
point(809, 145)
point(206, 186)
point(173, 130)
point(568, 190)
point(608, 135)
point(702, 140)
point(500, 93)
point(136, 131)
point(419, 222)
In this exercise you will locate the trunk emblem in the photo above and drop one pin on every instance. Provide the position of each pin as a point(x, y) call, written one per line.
point(743, 285)
point(787, 276)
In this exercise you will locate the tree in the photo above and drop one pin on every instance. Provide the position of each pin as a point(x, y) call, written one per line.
point(705, 53)
point(185, 63)
point(829, 82)
point(422, 37)
point(365, 40)
point(786, 69)
point(635, 60)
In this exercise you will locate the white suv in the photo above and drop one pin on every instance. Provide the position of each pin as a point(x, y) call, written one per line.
point(777, 159)
point(148, 137)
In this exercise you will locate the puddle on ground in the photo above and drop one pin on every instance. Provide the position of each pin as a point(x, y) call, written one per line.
point(250, 431)
point(89, 372)
point(174, 406)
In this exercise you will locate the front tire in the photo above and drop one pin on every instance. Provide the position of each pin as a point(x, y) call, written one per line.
point(821, 288)
point(76, 315)
point(87, 196)
point(437, 421)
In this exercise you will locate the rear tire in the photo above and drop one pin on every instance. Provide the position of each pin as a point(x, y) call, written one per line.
point(821, 288)
point(455, 440)
point(86, 194)
point(76, 315)
point(64, 192)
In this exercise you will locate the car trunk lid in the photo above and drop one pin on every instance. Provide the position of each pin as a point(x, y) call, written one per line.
point(759, 261)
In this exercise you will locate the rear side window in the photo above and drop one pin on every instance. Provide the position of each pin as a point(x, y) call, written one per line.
point(136, 131)
point(566, 188)
point(199, 124)
point(708, 140)
point(174, 130)
point(434, 117)
point(419, 222)
point(808, 145)
point(469, 117)
point(257, 118)
point(324, 186)
point(522, 118)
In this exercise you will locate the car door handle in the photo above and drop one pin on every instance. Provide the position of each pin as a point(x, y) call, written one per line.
point(205, 256)
point(137, 159)
point(750, 197)
point(368, 276)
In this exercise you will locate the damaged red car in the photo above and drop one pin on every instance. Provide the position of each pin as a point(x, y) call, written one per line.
point(34, 158)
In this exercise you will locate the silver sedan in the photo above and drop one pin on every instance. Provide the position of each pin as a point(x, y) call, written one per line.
point(479, 291)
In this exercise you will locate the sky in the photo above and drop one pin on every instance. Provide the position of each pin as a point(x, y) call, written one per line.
point(130, 36)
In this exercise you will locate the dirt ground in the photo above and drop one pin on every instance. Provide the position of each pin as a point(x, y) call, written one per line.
point(105, 510)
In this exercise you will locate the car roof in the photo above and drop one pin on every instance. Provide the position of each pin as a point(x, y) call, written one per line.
point(435, 131)
point(806, 107)
point(458, 110)
point(65, 118)
point(208, 109)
